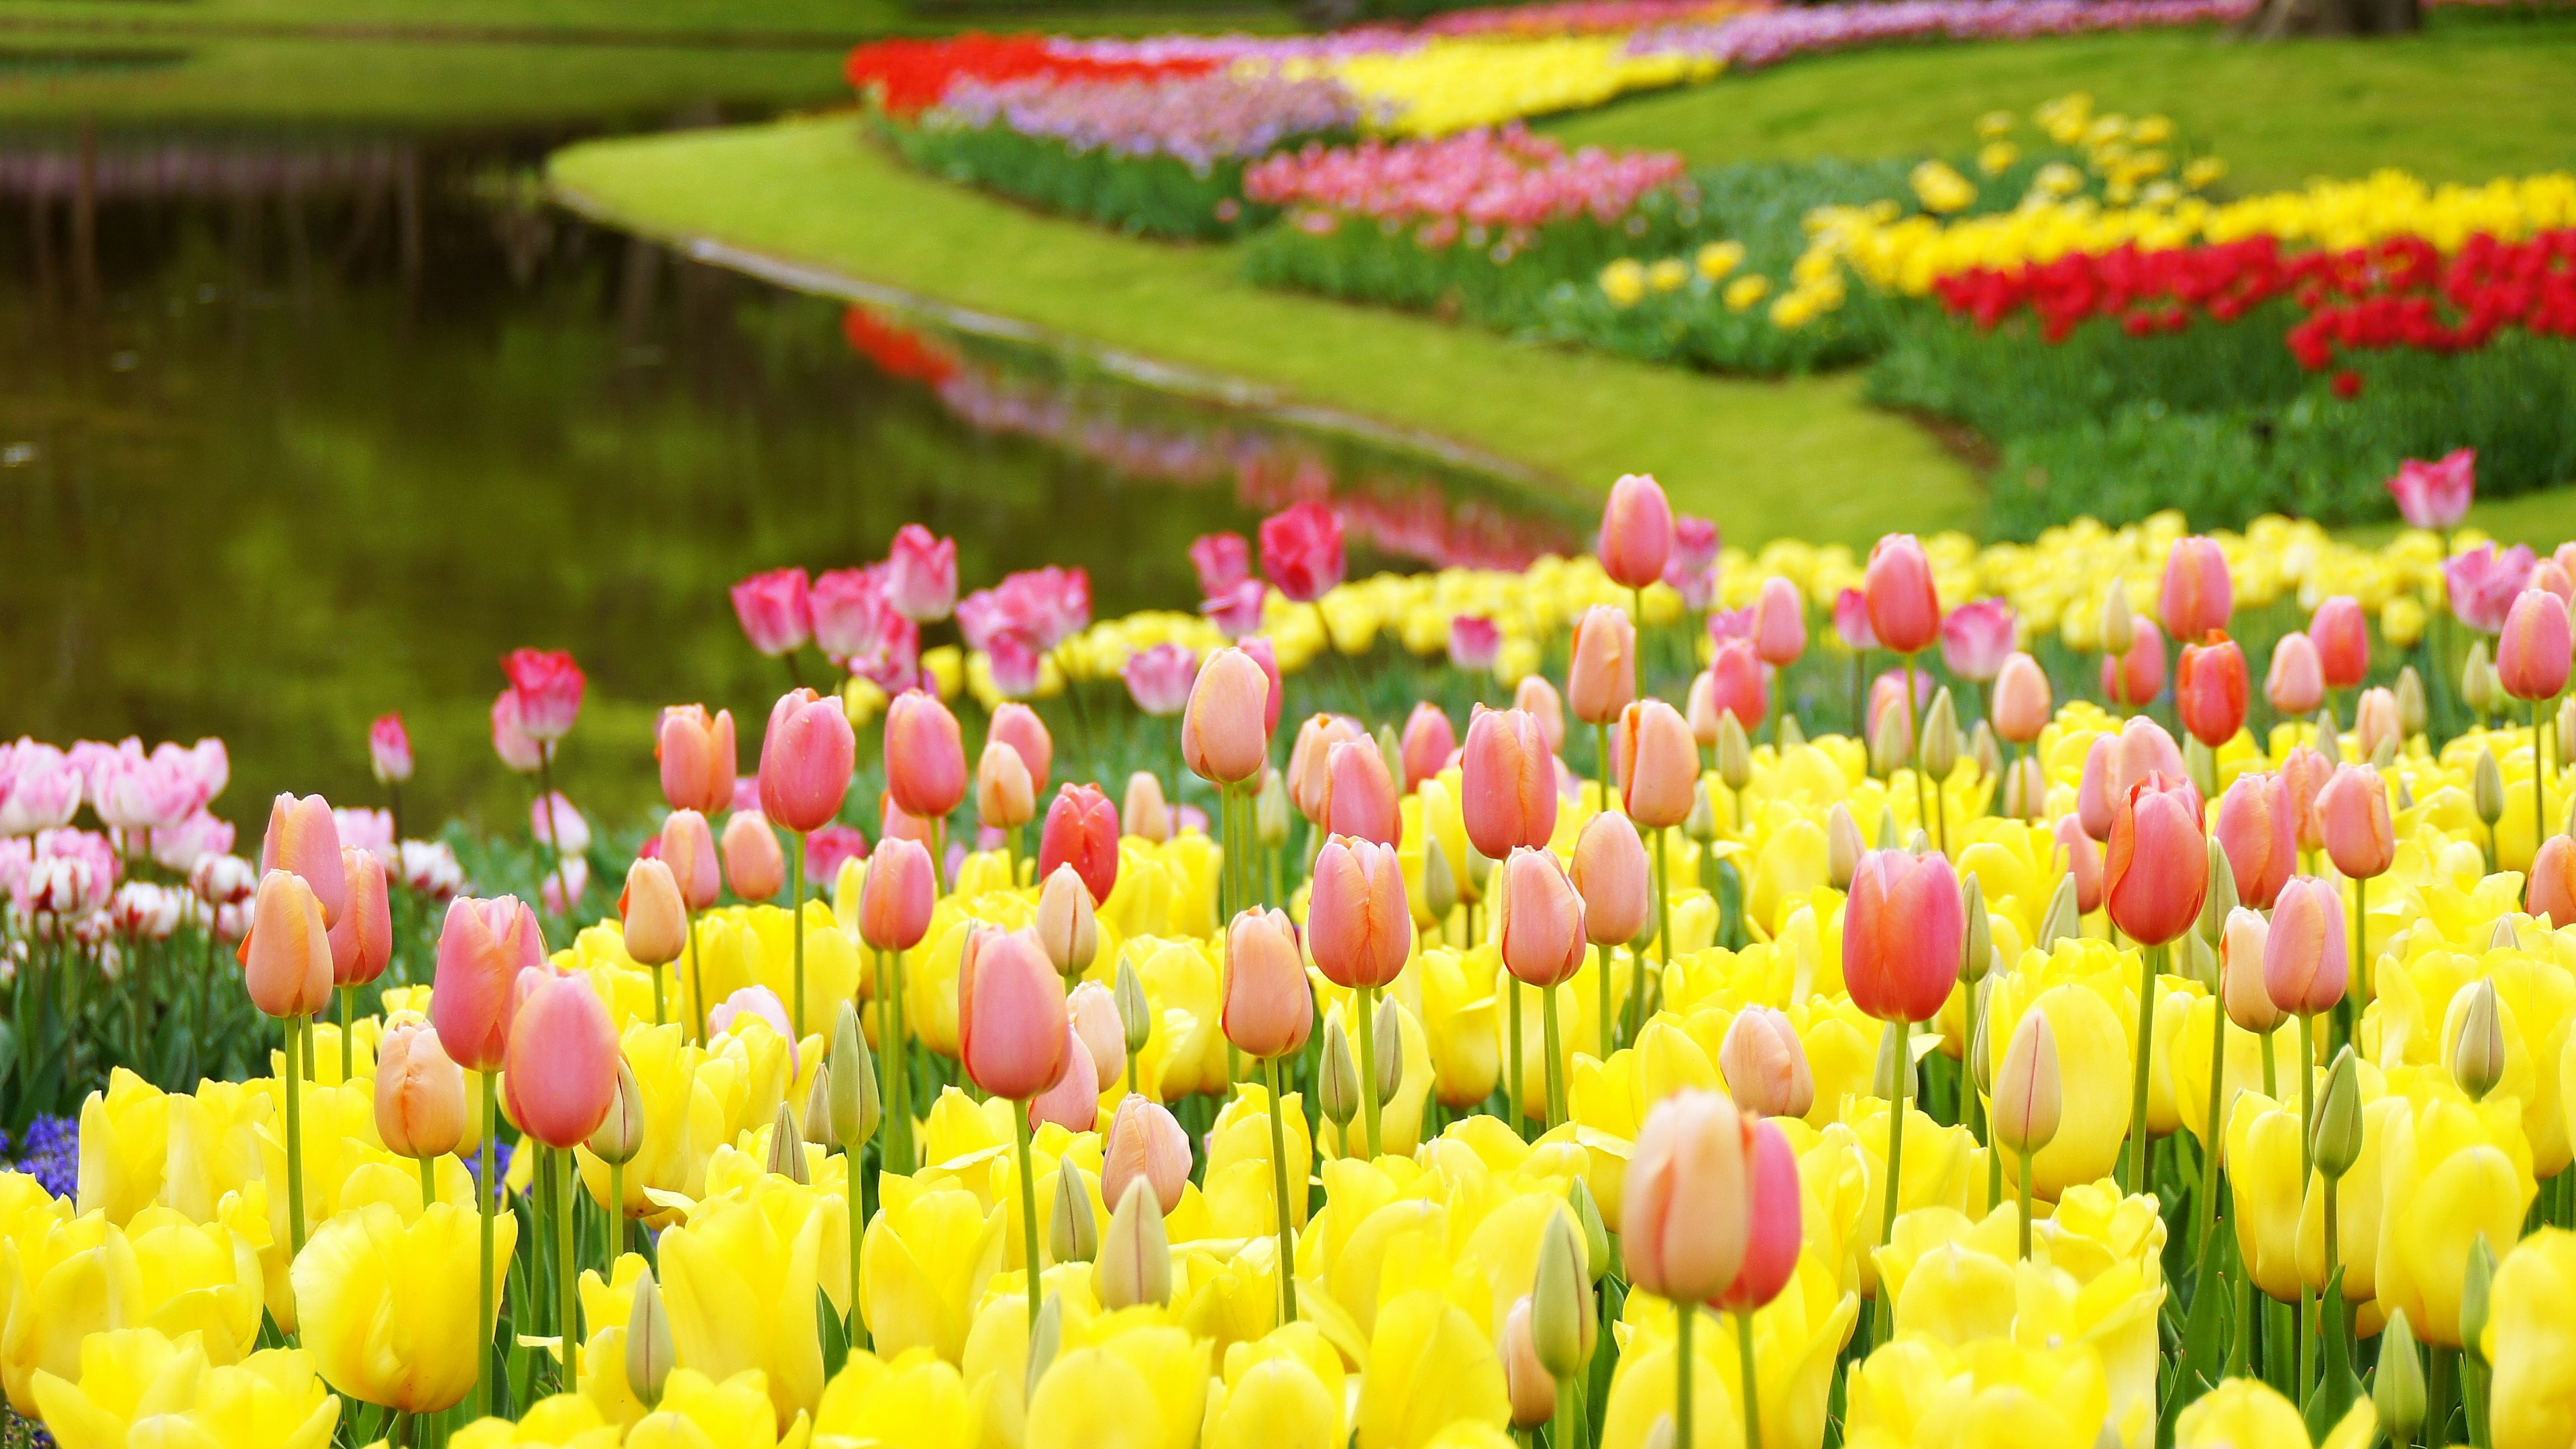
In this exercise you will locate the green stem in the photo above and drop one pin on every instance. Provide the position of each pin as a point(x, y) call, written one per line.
point(1028, 1210)
point(486, 1183)
point(1886, 1316)
point(1683, 1313)
point(428, 1181)
point(697, 984)
point(1601, 766)
point(1752, 1385)
point(1609, 1033)
point(2539, 788)
point(616, 1221)
point(858, 1225)
point(2213, 1131)
point(899, 1124)
point(567, 1320)
point(295, 1133)
point(1512, 1089)
point(1369, 1113)
point(348, 1035)
point(1279, 1200)
point(2147, 958)
point(796, 919)
point(2024, 1193)
point(1555, 1060)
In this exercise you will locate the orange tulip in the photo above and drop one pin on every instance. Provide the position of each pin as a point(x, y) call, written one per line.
point(689, 849)
point(1081, 831)
point(1602, 679)
point(896, 896)
point(1507, 783)
point(1225, 736)
point(303, 838)
point(482, 948)
point(754, 864)
point(651, 914)
point(1682, 1220)
point(1310, 776)
point(286, 957)
point(2210, 691)
point(2304, 774)
point(560, 1077)
point(1903, 927)
point(362, 940)
point(1610, 873)
point(2553, 881)
point(1357, 922)
point(2352, 820)
point(420, 1093)
point(1658, 764)
point(1011, 1023)
point(925, 757)
point(2083, 861)
point(2155, 872)
point(1268, 1010)
point(2342, 635)
point(697, 756)
point(1530, 1388)
point(1542, 924)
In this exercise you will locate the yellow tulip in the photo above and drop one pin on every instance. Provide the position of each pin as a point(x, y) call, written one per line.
point(389, 1306)
point(2531, 1341)
point(927, 1255)
point(87, 1275)
point(698, 1412)
point(138, 1386)
point(2249, 1411)
point(739, 1279)
point(1238, 1177)
point(1282, 1391)
point(1796, 1339)
point(2266, 1191)
point(913, 1401)
point(1463, 1013)
point(1428, 1366)
point(2088, 992)
point(559, 1421)
point(2449, 1172)
point(2244, 1064)
point(124, 1136)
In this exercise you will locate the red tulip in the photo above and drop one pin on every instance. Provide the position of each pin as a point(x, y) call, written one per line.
point(1902, 929)
point(2022, 700)
point(2210, 691)
point(1542, 920)
point(1779, 623)
point(775, 614)
point(2296, 682)
point(1268, 1010)
point(1772, 1230)
point(1225, 733)
point(1357, 924)
point(2155, 872)
point(1081, 831)
point(1018, 726)
point(925, 756)
point(1658, 764)
point(1011, 1021)
point(362, 940)
point(286, 956)
point(1682, 1222)
point(2352, 821)
point(1507, 783)
point(303, 839)
point(2305, 965)
point(548, 684)
point(482, 948)
point(697, 756)
point(1301, 551)
point(805, 761)
point(1222, 560)
point(2342, 635)
point(1611, 874)
point(895, 897)
point(1602, 679)
point(1636, 532)
point(2532, 653)
point(519, 754)
point(561, 1076)
point(689, 849)
point(1363, 802)
point(2256, 831)
point(753, 862)
point(1429, 741)
point(2198, 595)
point(1904, 610)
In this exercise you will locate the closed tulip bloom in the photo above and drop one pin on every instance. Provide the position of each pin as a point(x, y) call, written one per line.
point(896, 896)
point(1765, 1064)
point(2305, 964)
point(2083, 859)
point(510, 739)
point(1072, 1100)
point(1602, 679)
point(654, 918)
point(482, 948)
point(1682, 1214)
point(1636, 532)
point(1268, 1010)
point(1977, 637)
point(1011, 1022)
point(1363, 801)
point(560, 1077)
point(1904, 610)
point(1357, 924)
point(1507, 782)
point(2198, 594)
point(2352, 820)
point(1310, 775)
point(2022, 701)
point(1538, 699)
point(1772, 1230)
point(1526, 1381)
point(753, 863)
point(286, 958)
point(2532, 653)
point(362, 940)
point(1082, 831)
point(1658, 764)
point(1225, 736)
point(1142, 811)
point(1066, 926)
point(805, 761)
point(2342, 635)
point(2242, 948)
point(420, 1093)
point(2375, 723)
point(1737, 686)
point(1902, 931)
point(2553, 881)
point(2296, 682)
point(2210, 690)
point(1779, 623)
point(303, 838)
point(2256, 831)
point(925, 757)
point(1429, 741)
point(389, 750)
point(2136, 675)
point(921, 574)
point(689, 849)
point(2030, 1095)
point(697, 757)
point(2304, 773)
point(1017, 725)
point(2155, 870)
point(775, 610)
point(1098, 1026)
point(1611, 873)
point(1004, 798)
point(1542, 922)
point(1146, 1144)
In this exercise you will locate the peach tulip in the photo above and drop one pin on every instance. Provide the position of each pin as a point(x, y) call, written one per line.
point(1011, 1026)
point(2242, 947)
point(689, 849)
point(1072, 1101)
point(2256, 832)
point(2342, 635)
point(1004, 797)
point(560, 1077)
point(286, 956)
point(697, 757)
point(1542, 920)
point(1429, 741)
point(2296, 682)
point(1904, 610)
point(2305, 964)
point(362, 940)
point(1357, 923)
point(2136, 676)
point(2198, 595)
point(1636, 532)
point(1081, 831)
point(1601, 680)
point(1066, 925)
point(1363, 801)
point(896, 896)
point(1658, 764)
point(1225, 736)
point(1779, 623)
point(1268, 1010)
point(1538, 699)
point(925, 757)
point(2155, 870)
point(1507, 783)
point(1611, 874)
point(2022, 700)
point(2304, 773)
point(1310, 775)
point(2083, 859)
point(303, 838)
point(654, 918)
point(420, 1093)
point(1903, 926)
point(2375, 723)
point(1529, 1387)
point(2553, 881)
point(1771, 1229)
point(1765, 1064)
point(2210, 691)
point(1147, 1144)
point(1017, 725)
point(1682, 1215)
point(1143, 812)
point(754, 864)
point(482, 948)
point(2532, 653)
point(1097, 1025)
point(2352, 820)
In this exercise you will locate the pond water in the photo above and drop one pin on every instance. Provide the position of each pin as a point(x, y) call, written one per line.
point(297, 429)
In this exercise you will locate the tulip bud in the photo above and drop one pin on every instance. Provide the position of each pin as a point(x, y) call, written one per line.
point(1066, 925)
point(818, 1108)
point(2119, 622)
point(1046, 1340)
point(1135, 1262)
point(1439, 882)
point(1890, 742)
point(1390, 1058)
point(654, 918)
point(1596, 1236)
point(1390, 749)
point(620, 1134)
point(1270, 811)
point(2029, 1096)
point(2062, 921)
point(2025, 789)
point(1983, 749)
point(1337, 1084)
point(649, 1354)
point(1887, 837)
point(2329, 741)
point(1005, 797)
point(1843, 847)
point(1143, 810)
point(2196, 960)
point(2486, 787)
point(787, 1148)
point(1526, 1382)
point(1981, 1049)
point(2477, 1041)
point(1765, 1065)
point(1073, 1236)
point(2477, 1290)
point(2397, 1386)
point(1480, 869)
point(2478, 686)
point(1977, 944)
point(1135, 1010)
point(1561, 1318)
point(1789, 733)
point(420, 1093)
point(2411, 710)
point(854, 1108)
point(2221, 901)
point(1700, 825)
point(2336, 1136)
point(1734, 753)
point(1942, 742)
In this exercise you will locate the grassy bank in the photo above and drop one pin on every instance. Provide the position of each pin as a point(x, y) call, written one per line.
point(722, 22)
point(1800, 457)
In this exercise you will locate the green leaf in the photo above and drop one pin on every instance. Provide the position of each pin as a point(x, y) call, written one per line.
point(2206, 1331)
point(2336, 1388)
point(836, 1341)
point(8, 1049)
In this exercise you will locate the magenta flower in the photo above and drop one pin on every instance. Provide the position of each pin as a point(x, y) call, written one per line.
point(2483, 584)
point(775, 615)
point(921, 575)
point(2436, 495)
point(1222, 560)
point(1977, 637)
point(1159, 678)
point(549, 685)
point(1474, 642)
point(1301, 551)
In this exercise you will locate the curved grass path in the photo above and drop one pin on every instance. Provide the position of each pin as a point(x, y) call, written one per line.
point(1800, 457)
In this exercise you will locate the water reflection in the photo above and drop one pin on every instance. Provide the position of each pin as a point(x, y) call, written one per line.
point(292, 433)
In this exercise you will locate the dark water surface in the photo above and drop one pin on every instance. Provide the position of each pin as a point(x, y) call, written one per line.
point(295, 430)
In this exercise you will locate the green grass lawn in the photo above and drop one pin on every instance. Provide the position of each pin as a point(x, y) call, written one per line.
point(1798, 457)
point(2479, 95)
point(737, 21)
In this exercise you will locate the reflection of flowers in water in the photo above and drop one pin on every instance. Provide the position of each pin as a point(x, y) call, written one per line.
point(1407, 514)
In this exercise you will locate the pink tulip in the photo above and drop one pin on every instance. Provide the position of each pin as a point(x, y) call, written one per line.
point(2116, 762)
point(389, 749)
point(2198, 594)
point(510, 740)
point(921, 574)
point(2532, 653)
point(2304, 774)
point(549, 685)
point(2305, 965)
point(1977, 637)
point(855, 623)
point(2255, 829)
point(689, 849)
point(362, 940)
point(2342, 635)
point(754, 1003)
point(1904, 612)
point(1475, 642)
point(2483, 583)
point(2022, 700)
point(1357, 924)
point(1018, 726)
point(1301, 551)
point(1737, 687)
point(1779, 623)
point(2436, 495)
point(1902, 928)
point(776, 616)
point(2209, 691)
point(303, 838)
point(1222, 560)
point(1772, 1229)
point(1602, 679)
point(806, 757)
point(1851, 621)
point(697, 757)
point(482, 948)
point(1538, 699)
point(1542, 920)
point(1527, 1385)
point(2375, 722)
point(1159, 678)
point(1682, 1222)
point(1225, 735)
point(1072, 1101)
point(40, 789)
point(1268, 1010)
point(828, 849)
point(1237, 612)
point(2553, 881)
point(2550, 576)
point(562, 1072)
point(2137, 677)
point(1636, 532)
point(1310, 775)
point(1658, 764)
point(286, 957)
point(1766, 1065)
point(753, 862)
point(2155, 873)
point(2296, 682)
point(1691, 570)
point(1611, 874)
point(1011, 1029)
point(1429, 741)
point(1081, 831)
point(1363, 801)
point(2083, 857)
point(1507, 783)
point(895, 897)
point(2352, 821)
point(925, 756)
point(1146, 1143)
